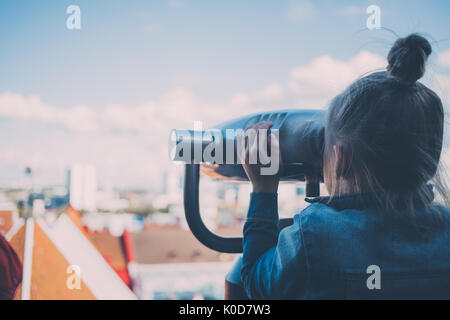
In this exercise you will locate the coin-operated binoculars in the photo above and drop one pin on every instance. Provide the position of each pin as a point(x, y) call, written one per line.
point(214, 152)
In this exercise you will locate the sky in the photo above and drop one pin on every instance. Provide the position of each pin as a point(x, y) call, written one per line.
point(109, 93)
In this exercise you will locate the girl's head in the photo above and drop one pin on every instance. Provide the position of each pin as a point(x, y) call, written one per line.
point(384, 133)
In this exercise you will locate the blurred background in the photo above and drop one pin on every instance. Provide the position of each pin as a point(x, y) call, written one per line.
point(85, 116)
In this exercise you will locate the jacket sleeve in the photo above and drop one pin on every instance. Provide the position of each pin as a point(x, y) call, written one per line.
point(274, 263)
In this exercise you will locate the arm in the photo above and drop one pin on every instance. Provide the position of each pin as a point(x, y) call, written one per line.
point(274, 263)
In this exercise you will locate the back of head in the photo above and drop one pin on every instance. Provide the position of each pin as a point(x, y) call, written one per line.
point(390, 129)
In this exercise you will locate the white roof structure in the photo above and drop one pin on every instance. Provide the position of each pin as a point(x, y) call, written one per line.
point(96, 273)
point(51, 256)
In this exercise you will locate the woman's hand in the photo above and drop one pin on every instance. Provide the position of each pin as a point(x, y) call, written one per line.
point(262, 140)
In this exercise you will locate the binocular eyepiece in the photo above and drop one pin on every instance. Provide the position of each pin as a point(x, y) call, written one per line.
point(301, 140)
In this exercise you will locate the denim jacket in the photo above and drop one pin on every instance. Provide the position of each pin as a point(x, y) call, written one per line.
point(342, 249)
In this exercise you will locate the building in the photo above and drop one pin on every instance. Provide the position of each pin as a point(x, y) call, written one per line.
point(8, 214)
point(82, 186)
point(170, 263)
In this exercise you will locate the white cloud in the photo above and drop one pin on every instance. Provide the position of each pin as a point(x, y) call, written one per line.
point(16, 106)
point(444, 58)
point(272, 93)
point(318, 80)
point(324, 77)
point(441, 84)
point(178, 106)
point(128, 144)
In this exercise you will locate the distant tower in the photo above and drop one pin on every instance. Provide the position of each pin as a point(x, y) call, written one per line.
point(29, 179)
point(82, 186)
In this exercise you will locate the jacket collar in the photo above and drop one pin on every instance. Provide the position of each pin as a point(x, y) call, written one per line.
point(359, 201)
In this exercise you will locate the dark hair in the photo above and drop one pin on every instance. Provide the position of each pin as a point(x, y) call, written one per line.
point(389, 129)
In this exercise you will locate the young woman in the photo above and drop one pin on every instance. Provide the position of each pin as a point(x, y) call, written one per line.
point(379, 234)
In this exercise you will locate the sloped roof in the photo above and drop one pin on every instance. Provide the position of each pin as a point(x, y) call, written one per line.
point(75, 216)
point(49, 269)
point(98, 275)
point(54, 251)
point(6, 221)
point(172, 245)
point(111, 248)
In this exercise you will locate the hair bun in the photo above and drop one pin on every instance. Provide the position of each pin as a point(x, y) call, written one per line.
point(407, 58)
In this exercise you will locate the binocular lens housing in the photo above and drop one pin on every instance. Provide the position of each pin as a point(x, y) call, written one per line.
point(301, 139)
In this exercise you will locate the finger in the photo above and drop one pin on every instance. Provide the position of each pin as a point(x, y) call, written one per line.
point(252, 126)
point(263, 145)
point(260, 124)
point(263, 125)
point(253, 149)
point(243, 147)
point(249, 133)
point(266, 125)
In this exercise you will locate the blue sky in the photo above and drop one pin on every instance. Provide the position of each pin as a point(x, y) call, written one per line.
point(202, 57)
